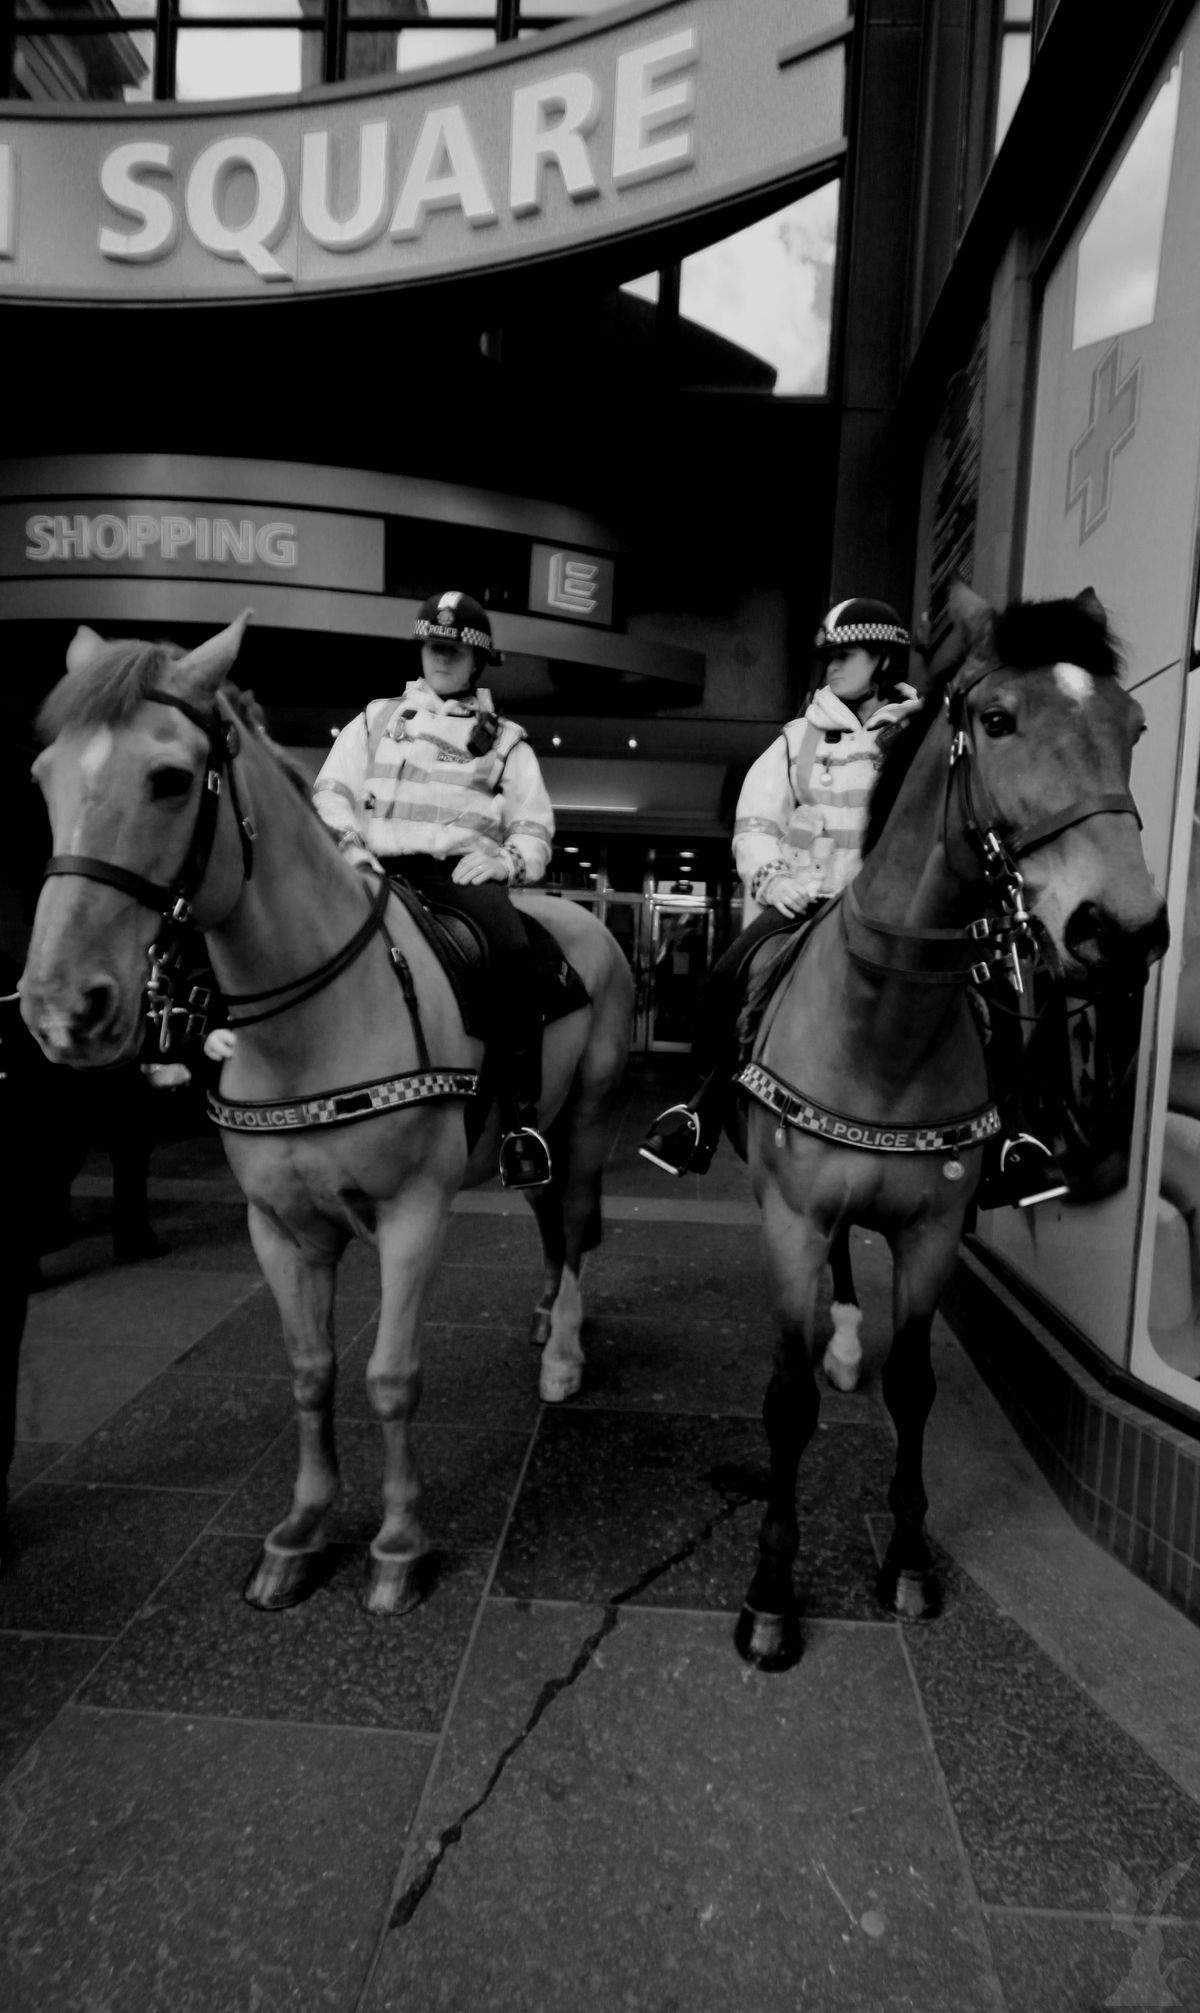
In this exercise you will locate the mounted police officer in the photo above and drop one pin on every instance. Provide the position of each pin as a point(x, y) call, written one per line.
point(798, 833)
point(438, 787)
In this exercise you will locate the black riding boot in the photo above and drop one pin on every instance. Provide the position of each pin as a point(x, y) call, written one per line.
point(684, 1138)
point(524, 1154)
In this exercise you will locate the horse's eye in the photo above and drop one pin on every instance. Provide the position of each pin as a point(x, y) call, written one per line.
point(996, 723)
point(171, 784)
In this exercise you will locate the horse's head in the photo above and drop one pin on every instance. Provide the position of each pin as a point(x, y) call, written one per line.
point(125, 774)
point(1048, 737)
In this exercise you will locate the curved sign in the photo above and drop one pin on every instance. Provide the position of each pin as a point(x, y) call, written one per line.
point(547, 145)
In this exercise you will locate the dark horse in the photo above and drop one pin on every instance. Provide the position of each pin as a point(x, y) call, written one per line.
point(1002, 818)
point(347, 1088)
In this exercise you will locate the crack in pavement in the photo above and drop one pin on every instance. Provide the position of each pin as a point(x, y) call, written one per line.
point(414, 1894)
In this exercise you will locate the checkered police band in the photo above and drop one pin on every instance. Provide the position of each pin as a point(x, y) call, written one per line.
point(861, 621)
point(453, 618)
point(341, 1107)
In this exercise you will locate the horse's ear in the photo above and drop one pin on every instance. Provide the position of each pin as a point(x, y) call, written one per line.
point(1092, 606)
point(211, 662)
point(970, 611)
point(83, 648)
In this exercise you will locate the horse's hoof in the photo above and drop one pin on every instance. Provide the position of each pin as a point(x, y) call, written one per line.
point(559, 1381)
point(395, 1585)
point(841, 1374)
point(769, 1642)
point(911, 1593)
point(284, 1579)
point(539, 1328)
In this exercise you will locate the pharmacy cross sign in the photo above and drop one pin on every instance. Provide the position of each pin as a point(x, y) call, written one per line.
point(1111, 422)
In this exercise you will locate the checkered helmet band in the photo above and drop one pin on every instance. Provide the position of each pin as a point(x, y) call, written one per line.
point(442, 632)
point(858, 621)
point(454, 617)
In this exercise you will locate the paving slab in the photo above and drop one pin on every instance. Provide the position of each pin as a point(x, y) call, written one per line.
point(83, 1559)
point(673, 1505)
point(624, 1816)
point(184, 1432)
point(198, 1866)
point(1125, 1959)
point(1049, 1791)
point(38, 1674)
point(198, 1648)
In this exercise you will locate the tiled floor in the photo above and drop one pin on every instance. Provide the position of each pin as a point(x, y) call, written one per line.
point(554, 1786)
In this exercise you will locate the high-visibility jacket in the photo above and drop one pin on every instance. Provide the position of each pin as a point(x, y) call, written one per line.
point(802, 810)
point(422, 774)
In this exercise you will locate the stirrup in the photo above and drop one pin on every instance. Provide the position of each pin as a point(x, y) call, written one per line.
point(524, 1159)
point(677, 1149)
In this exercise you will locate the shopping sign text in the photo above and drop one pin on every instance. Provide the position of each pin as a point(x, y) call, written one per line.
point(629, 123)
point(235, 198)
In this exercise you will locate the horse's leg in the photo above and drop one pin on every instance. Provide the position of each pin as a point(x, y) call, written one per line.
point(568, 1217)
point(411, 1235)
point(843, 1355)
point(923, 1256)
point(303, 1286)
point(768, 1628)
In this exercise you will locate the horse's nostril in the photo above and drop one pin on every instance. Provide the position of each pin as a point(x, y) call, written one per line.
point(1087, 928)
point(97, 1005)
point(1094, 937)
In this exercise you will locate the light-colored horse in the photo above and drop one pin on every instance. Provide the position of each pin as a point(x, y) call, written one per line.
point(1012, 787)
point(149, 750)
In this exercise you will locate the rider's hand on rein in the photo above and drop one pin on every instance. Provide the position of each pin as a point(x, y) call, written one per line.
point(476, 866)
point(788, 896)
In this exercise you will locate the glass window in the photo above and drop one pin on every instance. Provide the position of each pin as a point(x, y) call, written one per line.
point(768, 291)
point(377, 52)
point(110, 68)
point(561, 10)
point(1016, 55)
point(245, 62)
point(424, 10)
point(646, 288)
point(130, 10)
point(1116, 283)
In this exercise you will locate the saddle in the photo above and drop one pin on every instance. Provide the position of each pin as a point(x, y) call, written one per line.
point(461, 949)
point(764, 967)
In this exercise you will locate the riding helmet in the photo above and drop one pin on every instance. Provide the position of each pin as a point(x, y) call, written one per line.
point(456, 618)
point(861, 621)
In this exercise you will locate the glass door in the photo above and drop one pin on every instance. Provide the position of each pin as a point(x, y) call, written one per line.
point(679, 953)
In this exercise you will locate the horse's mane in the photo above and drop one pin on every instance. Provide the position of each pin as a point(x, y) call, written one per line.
point(108, 692)
point(118, 679)
point(1025, 636)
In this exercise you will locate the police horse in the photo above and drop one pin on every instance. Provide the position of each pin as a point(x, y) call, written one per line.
point(1001, 824)
point(345, 1096)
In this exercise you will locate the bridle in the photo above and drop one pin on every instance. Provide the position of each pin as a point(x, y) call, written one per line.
point(174, 901)
point(1007, 930)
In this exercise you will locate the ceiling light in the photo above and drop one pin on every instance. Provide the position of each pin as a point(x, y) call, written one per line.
point(570, 849)
point(556, 740)
point(632, 743)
